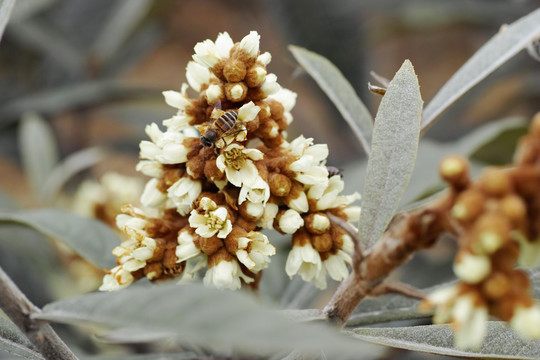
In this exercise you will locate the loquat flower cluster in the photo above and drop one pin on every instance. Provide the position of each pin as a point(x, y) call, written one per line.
point(497, 220)
point(221, 172)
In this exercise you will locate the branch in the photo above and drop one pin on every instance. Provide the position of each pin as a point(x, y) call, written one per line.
point(407, 233)
point(20, 310)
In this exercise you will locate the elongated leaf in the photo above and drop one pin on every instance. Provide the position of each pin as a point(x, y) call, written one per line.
point(39, 150)
point(14, 342)
point(5, 11)
point(395, 142)
point(340, 91)
point(126, 14)
point(89, 238)
point(202, 316)
point(161, 356)
point(504, 45)
point(501, 341)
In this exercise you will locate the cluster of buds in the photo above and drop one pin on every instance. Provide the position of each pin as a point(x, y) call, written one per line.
point(221, 172)
point(497, 220)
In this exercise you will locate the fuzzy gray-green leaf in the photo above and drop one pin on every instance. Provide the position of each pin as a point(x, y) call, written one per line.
point(505, 44)
point(393, 153)
point(199, 315)
point(5, 11)
point(501, 341)
point(14, 342)
point(38, 149)
point(89, 238)
point(340, 91)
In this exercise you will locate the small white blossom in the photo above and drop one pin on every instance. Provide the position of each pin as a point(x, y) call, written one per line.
point(300, 203)
point(472, 268)
point(208, 53)
point(237, 163)
point(117, 279)
point(177, 99)
point(133, 226)
point(133, 254)
point(197, 75)
point(213, 221)
point(305, 261)
point(150, 168)
point(330, 198)
point(265, 58)
point(248, 112)
point(165, 147)
point(186, 248)
point(470, 322)
point(290, 221)
point(287, 98)
point(226, 275)
point(183, 193)
point(309, 166)
point(151, 196)
point(224, 44)
point(256, 192)
point(214, 93)
point(250, 44)
point(177, 122)
point(193, 265)
point(270, 85)
point(336, 265)
point(526, 321)
point(267, 220)
point(254, 251)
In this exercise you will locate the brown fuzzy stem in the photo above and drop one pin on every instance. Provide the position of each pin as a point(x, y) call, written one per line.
point(20, 310)
point(407, 233)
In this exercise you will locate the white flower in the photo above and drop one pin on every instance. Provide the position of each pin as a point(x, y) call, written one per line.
point(150, 168)
point(250, 44)
point(300, 203)
point(88, 195)
point(309, 166)
point(267, 220)
point(290, 221)
point(133, 254)
point(178, 122)
point(254, 251)
point(270, 85)
point(470, 322)
point(305, 261)
point(213, 93)
point(256, 192)
point(237, 163)
point(443, 300)
point(183, 193)
point(472, 268)
point(193, 265)
point(214, 220)
point(177, 99)
point(208, 53)
point(133, 226)
point(248, 112)
point(526, 321)
point(287, 98)
point(330, 197)
point(336, 265)
point(265, 58)
point(197, 75)
point(152, 196)
point(118, 278)
point(226, 275)
point(186, 248)
point(165, 147)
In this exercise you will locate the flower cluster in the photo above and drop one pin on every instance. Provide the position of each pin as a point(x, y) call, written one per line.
point(222, 171)
point(498, 222)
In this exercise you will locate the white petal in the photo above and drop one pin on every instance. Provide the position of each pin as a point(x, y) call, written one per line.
point(176, 99)
point(472, 268)
point(151, 196)
point(224, 44)
point(197, 75)
point(206, 53)
point(248, 112)
point(290, 221)
point(250, 44)
point(265, 58)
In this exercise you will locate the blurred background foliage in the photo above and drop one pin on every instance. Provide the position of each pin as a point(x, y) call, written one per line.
point(83, 78)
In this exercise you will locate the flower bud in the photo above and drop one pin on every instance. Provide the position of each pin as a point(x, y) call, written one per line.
point(280, 185)
point(235, 92)
point(454, 170)
point(496, 182)
point(514, 207)
point(256, 76)
point(288, 221)
point(535, 126)
point(234, 70)
point(322, 243)
point(471, 268)
point(496, 285)
point(469, 205)
point(491, 231)
point(213, 93)
point(317, 223)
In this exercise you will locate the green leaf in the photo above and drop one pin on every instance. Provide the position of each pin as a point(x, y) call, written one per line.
point(89, 238)
point(13, 341)
point(394, 146)
point(202, 316)
point(5, 12)
point(504, 45)
point(38, 149)
point(340, 91)
point(501, 341)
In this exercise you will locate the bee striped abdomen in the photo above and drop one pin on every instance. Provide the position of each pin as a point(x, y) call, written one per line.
point(227, 121)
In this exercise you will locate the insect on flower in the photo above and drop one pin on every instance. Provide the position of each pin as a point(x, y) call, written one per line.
point(225, 124)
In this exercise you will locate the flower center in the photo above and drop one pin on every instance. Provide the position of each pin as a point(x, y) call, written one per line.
point(235, 158)
point(215, 222)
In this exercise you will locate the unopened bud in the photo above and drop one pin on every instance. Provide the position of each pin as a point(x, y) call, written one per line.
point(214, 93)
point(322, 243)
point(468, 205)
point(471, 268)
point(454, 170)
point(514, 207)
point(234, 70)
point(535, 126)
point(153, 271)
point(280, 185)
point(235, 92)
point(496, 285)
point(255, 75)
point(251, 211)
point(496, 182)
point(317, 223)
point(491, 232)
point(289, 221)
